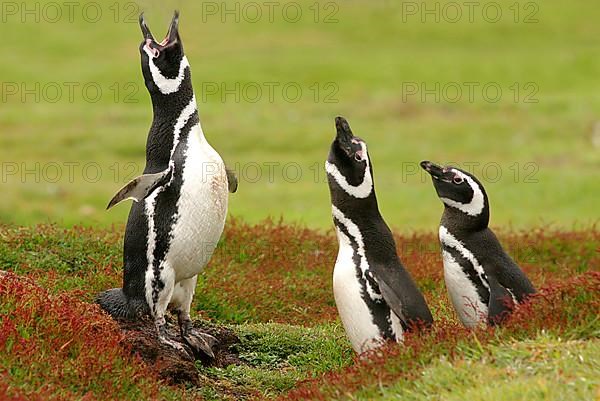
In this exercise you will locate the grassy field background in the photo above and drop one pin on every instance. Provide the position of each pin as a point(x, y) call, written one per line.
point(64, 155)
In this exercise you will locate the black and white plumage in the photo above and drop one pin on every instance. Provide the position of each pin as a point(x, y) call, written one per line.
point(376, 297)
point(483, 281)
point(180, 201)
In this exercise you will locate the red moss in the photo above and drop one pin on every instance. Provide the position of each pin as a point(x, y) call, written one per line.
point(65, 348)
point(558, 308)
point(264, 272)
point(282, 273)
point(277, 272)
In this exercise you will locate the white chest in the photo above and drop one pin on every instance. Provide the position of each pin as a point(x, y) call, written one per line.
point(463, 292)
point(354, 312)
point(202, 208)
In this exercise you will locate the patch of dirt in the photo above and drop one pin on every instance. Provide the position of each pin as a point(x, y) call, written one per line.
point(173, 366)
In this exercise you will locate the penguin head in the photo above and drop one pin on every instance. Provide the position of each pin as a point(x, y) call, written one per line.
point(348, 165)
point(162, 62)
point(458, 189)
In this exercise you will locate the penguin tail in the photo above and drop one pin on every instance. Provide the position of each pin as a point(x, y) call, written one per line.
point(119, 306)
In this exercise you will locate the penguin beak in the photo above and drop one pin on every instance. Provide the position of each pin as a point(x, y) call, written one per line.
point(344, 133)
point(172, 34)
point(437, 172)
point(145, 30)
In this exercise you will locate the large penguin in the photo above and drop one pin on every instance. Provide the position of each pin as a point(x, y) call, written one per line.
point(376, 297)
point(180, 201)
point(483, 282)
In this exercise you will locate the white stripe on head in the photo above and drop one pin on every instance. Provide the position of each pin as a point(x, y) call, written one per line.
point(164, 84)
point(361, 191)
point(476, 205)
point(355, 233)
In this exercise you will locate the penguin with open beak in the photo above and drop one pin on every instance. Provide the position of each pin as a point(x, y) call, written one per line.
point(180, 201)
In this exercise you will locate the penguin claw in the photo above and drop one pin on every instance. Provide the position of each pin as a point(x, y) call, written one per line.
point(177, 346)
point(201, 342)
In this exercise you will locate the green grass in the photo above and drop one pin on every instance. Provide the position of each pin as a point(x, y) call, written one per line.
point(278, 356)
point(369, 54)
point(543, 368)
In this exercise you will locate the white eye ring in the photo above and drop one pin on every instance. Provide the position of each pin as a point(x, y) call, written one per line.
point(359, 156)
point(457, 180)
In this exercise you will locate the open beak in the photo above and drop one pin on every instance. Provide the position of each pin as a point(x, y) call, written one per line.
point(145, 30)
point(173, 33)
point(436, 171)
point(344, 133)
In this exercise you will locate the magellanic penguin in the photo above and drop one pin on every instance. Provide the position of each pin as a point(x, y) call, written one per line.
point(483, 282)
point(375, 296)
point(180, 200)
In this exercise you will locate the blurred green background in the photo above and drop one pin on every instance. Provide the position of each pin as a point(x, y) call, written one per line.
point(416, 80)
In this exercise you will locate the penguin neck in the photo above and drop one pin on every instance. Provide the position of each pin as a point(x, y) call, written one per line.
point(362, 220)
point(457, 221)
point(363, 212)
point(170, 113)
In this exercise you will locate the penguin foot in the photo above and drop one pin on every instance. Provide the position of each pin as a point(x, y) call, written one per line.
point(199, 341)
point(175, 345)
point(164, 339)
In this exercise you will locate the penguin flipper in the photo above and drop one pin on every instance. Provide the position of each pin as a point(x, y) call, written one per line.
point(510, 275)
point(232, 180)
point(410, 308)
point(140, 187)
point(501, 303)
point(392, 299)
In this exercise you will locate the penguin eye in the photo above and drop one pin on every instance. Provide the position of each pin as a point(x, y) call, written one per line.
point(457, 180)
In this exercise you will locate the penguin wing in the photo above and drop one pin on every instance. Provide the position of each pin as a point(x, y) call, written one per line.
point(507, 273)
point(140, 187)
point(511, 277)
point(502, 302)
point(232, 180)
point(392, 299)
point(402, 295)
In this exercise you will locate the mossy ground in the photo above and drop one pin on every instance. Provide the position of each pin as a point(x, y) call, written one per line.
point(274, 291)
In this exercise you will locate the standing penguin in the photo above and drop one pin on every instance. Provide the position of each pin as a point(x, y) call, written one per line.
point(180, 201)
point(484, 283)
point(376, 298)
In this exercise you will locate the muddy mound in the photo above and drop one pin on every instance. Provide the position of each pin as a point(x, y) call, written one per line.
point(173, 366)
